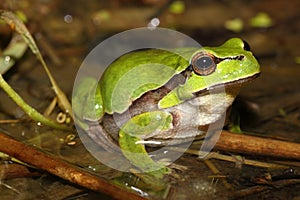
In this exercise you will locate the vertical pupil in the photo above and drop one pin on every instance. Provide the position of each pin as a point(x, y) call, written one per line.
point(204, 62)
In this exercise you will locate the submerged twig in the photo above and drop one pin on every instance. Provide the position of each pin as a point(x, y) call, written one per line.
point(10, 187)
point(61, 169)
point(9, 121)
point(214, 169)
point(248, 161)
point(261, 188)
point(10, 171)
point(50, 107)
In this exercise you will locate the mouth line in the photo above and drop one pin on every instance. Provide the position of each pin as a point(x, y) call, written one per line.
point(235, 82)
point(241, 81)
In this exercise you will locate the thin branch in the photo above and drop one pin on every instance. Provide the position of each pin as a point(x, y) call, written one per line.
point(241, 143)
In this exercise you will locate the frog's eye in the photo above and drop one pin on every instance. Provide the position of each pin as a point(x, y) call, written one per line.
point(203, 64)
point(246, 46)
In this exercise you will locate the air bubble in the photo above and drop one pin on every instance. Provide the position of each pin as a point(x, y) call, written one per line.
point(68, 19)
point(153, 23)
point(7, 59)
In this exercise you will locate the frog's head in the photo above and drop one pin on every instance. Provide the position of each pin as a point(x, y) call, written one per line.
point(232, 62)
point(228, 65)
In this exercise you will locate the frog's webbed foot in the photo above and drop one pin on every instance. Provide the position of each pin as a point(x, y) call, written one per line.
point(131, 137)
point(102, 138)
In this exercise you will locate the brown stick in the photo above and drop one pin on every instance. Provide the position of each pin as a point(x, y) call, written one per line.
point(241, 143)
point(61, 169)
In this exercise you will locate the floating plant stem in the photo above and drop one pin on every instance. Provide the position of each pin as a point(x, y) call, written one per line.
point(31, 112)
point(14, 51)
point(16, 24)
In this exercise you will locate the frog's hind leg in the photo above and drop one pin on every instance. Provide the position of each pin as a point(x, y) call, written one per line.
point(102, 138)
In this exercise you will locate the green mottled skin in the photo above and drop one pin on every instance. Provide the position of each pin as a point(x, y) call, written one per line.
point(148, 66)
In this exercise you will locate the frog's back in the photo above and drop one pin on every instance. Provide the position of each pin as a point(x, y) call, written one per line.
point(135, 73)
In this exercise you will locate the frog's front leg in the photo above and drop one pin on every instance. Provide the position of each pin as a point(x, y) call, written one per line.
point(131, 137)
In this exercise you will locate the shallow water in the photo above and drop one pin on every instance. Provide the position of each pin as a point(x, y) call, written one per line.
point(66, 33)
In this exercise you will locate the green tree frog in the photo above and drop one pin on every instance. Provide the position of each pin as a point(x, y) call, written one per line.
point(155, 96)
